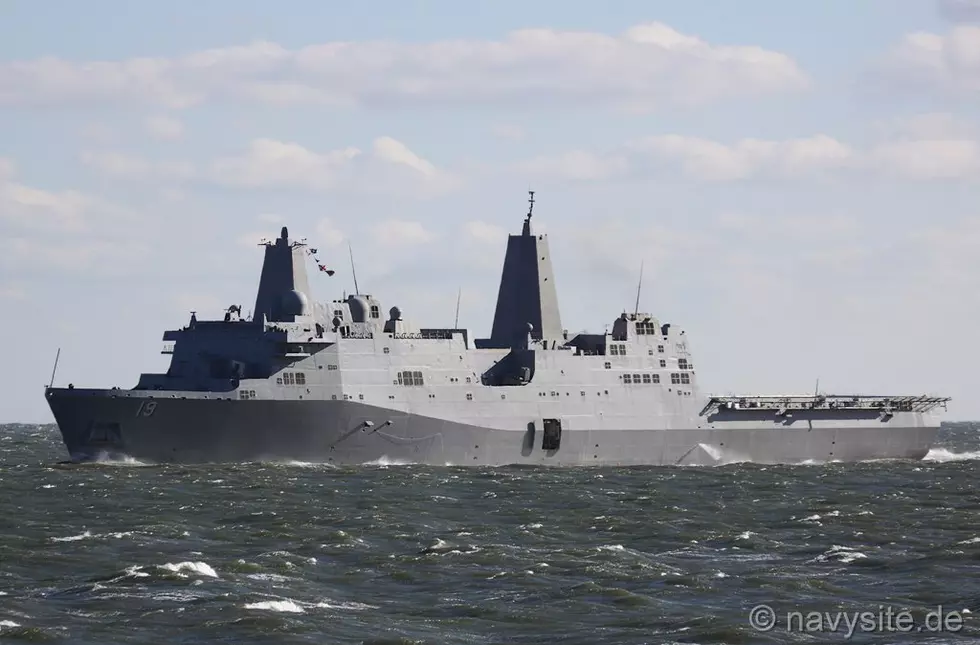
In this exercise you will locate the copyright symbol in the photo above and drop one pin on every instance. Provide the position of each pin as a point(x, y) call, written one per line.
point(762, 618)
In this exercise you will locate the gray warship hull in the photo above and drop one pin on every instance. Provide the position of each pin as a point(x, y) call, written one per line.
point(338, 383)
point(103, 424)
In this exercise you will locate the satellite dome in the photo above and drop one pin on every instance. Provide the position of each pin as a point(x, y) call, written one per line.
point(294, 303)
point(395, 313)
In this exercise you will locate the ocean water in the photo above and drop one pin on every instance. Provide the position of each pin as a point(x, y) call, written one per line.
point(392, 554)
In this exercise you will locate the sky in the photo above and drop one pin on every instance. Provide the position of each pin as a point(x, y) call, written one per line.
point(799, 180)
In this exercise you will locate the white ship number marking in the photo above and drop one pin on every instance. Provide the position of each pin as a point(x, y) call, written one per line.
point(146, 409)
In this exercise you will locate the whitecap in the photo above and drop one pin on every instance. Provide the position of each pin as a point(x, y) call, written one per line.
point(943, 455)
point(200, 568)
point(285, 606)
point(73, 538)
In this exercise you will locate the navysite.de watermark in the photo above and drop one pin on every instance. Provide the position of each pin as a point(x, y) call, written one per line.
point(881, 619)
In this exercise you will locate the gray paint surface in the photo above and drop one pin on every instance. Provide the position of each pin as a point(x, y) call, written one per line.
point(346, 382)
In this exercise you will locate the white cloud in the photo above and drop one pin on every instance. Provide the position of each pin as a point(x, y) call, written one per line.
point(396, 152)
point(164, 127)
point(931, 125)
point(327, 234)
point(707, 160)
point(928, 159)
point(508, 131)
point(272, 164)
point(485, 233)
point(26, 207)
point(401, 233)
point(12, 292)
point(575, 164)
point(960, 10)
point(268, 163)
point(125, 166)
point(646, 65)
point(947, 63)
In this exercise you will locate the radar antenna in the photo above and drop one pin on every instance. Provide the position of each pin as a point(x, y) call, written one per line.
point(458, 295)
point(352, 270)
point(530, 201)
point(636, 309)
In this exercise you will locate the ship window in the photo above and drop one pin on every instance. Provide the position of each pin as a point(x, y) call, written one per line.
point(608, 365)
point(656, 378)
point(279, 381)
point(614, 350)
point(300, 378)
point(660, 348)
point(627, 378)
point(467, 379)
point(375, 312)
point(469, 396)
point(338, 312)
point(400, 377)
point(686, 378)
point(646, 328)
point(387, 351)
point(675, 379)
point(650, 352)
point(682, 363)
point(663, 363)
point(646, 378)
point(417, 378)
point(636, 378)
point(287, 378)
point(552, 434)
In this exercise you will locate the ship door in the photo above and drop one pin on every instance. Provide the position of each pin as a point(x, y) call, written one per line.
point(551, 434)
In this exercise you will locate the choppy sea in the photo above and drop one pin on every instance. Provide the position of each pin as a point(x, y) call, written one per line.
point(394, 554)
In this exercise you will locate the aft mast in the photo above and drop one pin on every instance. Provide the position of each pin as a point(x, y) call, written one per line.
point(527, 295)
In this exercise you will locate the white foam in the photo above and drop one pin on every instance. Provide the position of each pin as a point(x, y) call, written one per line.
point(843, 554)
point(8, 623)
point(121, 460)
point(200, 568)
point(943, 455)
point(73, 538)
point(88, 534)
point(284, 606)
point(352, 606)
point(385, 460)
point(611, 547)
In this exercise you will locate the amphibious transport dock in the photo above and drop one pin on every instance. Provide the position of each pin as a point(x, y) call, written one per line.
point(348, 382)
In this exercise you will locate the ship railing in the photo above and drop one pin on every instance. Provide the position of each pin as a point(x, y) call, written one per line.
point(783, 403)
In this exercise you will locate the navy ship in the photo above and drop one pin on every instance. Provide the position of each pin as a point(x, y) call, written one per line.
point(348, 382)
